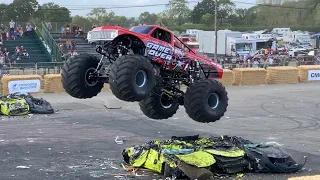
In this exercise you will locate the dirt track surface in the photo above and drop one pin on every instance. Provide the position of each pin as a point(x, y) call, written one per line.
point(77, 142)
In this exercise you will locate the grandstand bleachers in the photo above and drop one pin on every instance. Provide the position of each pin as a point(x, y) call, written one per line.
point(34, 47)
point(82, 45)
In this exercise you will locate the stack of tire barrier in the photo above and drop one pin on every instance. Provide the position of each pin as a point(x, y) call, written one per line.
point(227, 78)
point(249, 76)
point(6, 79)
point(304, 72)
point(282, 75)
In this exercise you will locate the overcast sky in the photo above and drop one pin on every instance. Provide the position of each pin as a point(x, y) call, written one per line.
point(82, 7)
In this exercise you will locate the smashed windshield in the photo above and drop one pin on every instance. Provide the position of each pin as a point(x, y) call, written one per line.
point(141, 29)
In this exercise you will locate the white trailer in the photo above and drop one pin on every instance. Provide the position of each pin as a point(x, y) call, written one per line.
point(297, 37)
point(250, 36)
point(280, 31)
point(207, 41)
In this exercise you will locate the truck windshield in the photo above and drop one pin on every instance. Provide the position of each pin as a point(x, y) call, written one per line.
point(141, 29)
point(193, 46)
point(243, 46)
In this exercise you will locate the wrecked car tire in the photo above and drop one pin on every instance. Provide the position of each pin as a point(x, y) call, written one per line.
point(75, 76)
point(131, 78)
point(206, 100)
point(158, 106)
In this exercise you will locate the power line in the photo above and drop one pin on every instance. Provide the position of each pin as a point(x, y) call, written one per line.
point(87, 7)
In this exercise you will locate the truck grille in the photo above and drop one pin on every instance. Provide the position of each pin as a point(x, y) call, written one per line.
point(106, 34)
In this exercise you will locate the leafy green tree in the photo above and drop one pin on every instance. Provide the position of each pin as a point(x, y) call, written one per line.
point(98, 15)
point(148, 18)
point(54, 13)
point(3, 12)
point(207, 19)
point(225, 10)
point(178, 11)
point(22, 10)
point(203, 7)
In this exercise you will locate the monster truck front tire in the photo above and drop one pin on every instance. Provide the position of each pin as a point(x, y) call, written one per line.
point(131, 78)
point(158, 106)
point(75, 76)
point(206, 101)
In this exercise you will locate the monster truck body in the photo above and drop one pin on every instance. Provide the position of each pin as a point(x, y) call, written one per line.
point(148, 64)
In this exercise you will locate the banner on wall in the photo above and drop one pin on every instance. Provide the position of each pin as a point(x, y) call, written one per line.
point(314, 75)
point(24, 86)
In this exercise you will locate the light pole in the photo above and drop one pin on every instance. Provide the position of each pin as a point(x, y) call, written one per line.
point(216, 32)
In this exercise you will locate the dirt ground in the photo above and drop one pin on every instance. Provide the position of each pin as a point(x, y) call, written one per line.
point(77, 142)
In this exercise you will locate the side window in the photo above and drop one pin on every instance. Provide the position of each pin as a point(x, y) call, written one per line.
point(162, 35)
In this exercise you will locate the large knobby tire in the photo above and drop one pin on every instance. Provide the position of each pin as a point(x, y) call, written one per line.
point(75, 79)
point(156, 107)
point(206, 101)
point(131, 78)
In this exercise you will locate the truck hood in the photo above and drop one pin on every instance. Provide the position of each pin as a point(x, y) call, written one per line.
point(102, 33)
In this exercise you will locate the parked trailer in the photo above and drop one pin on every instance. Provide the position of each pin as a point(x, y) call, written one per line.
point(230, 43)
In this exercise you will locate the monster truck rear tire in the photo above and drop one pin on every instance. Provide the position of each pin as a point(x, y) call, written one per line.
point(74, 76)
point(206, 100)
point(158, 107)
point(131, 78)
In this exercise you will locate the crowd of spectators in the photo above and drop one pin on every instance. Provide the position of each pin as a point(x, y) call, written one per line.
point(67, 31)
point(67, 47)
point(12, 32)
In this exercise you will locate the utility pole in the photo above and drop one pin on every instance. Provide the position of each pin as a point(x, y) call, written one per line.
point(216, 32)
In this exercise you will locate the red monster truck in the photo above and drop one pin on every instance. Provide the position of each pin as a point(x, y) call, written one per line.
point(149, 64)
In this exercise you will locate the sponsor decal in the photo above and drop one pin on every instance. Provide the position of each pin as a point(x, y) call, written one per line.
point(314, 75)
point(24, 86)
point(159, 51)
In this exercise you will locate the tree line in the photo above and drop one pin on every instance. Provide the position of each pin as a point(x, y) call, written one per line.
point(178, 16)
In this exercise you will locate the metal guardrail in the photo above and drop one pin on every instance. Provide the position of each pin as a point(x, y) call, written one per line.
point(50, 42)
point(40, 68)
point(56, 26)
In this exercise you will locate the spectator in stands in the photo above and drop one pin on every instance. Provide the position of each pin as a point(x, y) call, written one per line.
point(5, 52)
point(49, 26)
point(67, 29)
point(75, 29)
point(20, 30)
point(94, 26)
point(2, 59)
point(14, 35)
point(18, 51)
point(12, 60)
point(63, 31)
point(25, 53)
point(8, 36)
point(80, 31)
point(11, 25)
point(29, 30)
point(3, 30)
point(61, 45)
point(1, 40)
point(21, 48)
point(73, 45)
point(68, 44)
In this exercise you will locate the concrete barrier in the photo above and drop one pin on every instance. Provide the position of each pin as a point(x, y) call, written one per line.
point(227, 78)
point(282, 75)
point(53, 84)
point(304, 71)
point(6, 79)
point(249, 76)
